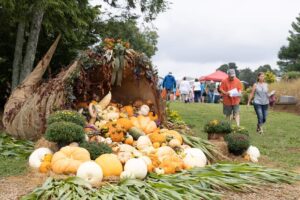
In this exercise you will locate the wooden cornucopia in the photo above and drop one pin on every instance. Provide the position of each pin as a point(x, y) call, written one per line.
point(105, 114)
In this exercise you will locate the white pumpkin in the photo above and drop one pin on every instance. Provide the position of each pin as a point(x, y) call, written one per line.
point(146, 159)
point(111, 116)
point(124, 156)
point(144, 110)
point(37, 156)
point(127, 175)
point(194, 157)
point(148, 150)
point(91, 172)
point(164, 152)
point(137, 153)
point(136, 166)
point(253, 153)
point(143, 142)
point(108, 140)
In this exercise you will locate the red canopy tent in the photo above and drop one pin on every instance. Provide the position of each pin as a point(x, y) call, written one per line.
point(217, 76)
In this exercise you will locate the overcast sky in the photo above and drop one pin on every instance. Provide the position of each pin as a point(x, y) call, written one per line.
point(197, 36)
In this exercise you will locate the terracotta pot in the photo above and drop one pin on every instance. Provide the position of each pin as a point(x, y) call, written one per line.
point(216, 136)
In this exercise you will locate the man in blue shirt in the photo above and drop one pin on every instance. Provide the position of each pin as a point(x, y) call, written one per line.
point(169, 84)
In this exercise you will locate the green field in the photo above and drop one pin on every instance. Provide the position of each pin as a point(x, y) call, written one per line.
point(280, 141)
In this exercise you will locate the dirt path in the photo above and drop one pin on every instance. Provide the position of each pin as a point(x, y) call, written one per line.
point(13, 187)
point(270, 192)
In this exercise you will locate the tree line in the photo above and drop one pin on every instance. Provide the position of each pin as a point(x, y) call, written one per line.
point(28, 27)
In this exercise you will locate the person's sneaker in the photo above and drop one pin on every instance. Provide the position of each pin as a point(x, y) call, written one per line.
point(261, 130)
point(258, 129)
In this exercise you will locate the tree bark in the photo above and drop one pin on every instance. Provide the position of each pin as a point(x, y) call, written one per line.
point(32, 42)
point(17, 62)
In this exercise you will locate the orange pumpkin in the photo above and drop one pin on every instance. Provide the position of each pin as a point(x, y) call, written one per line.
point(116, 132)
point(156, 145)
point(129, 110)
point(157, 137)
point(172, 164)
point(45, 167)
point(129, 140)
point(110, 164)
point(125, 122)
point(144, 123)
point(153, 116)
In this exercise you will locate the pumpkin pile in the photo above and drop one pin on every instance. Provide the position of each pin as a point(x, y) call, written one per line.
point(138, 146)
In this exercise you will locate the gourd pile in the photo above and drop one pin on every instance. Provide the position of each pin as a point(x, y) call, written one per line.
point(118, 141)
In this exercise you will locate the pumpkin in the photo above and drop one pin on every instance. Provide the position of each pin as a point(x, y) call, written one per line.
point(37, 157)
point(137, 166)
point(68, 159)
point(148, 162)
point(126, 148)
point(172, 134)
point(127, 175)
point(144, 123)
point(129, 110)
point(154, 159)
point(156, 145)
point(159, 171)
point(124, 156)
point(129, 140)
point(125, 123)
point(91, 172)
point(110, 165)
point(171, 164)
point(143, 142)
point(194, 158)
point(144, 110)
point(116, 132)
point(153, 116)
point(158, 137)
point(45, 167)
point(135, 132)
point(174, 143)
point(47, 158)
point(164, 152)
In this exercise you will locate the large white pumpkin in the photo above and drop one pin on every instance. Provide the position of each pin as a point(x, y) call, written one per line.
point(137, 167)
point(91, 172)
point(143, 142)
point(126, 148)
point(253, 153)
point(194, 157)
point(37, 156)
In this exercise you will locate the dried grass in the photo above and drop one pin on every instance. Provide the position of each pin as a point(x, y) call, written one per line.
point(290, 88)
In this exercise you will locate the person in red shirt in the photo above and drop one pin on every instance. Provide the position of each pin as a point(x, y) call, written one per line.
point(231, 99)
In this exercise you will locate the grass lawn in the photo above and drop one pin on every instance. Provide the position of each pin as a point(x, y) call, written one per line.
point(280, 141)
point(12, 166)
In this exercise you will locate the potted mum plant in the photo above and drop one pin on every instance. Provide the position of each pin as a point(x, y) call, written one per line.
point(216, 129)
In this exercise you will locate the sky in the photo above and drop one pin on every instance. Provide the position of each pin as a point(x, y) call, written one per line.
point(197, 36)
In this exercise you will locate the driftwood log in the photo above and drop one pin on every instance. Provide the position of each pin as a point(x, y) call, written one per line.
point(86, 79)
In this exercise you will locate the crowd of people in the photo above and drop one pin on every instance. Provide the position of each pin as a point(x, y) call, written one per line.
point(228, 90)
point(190, 90)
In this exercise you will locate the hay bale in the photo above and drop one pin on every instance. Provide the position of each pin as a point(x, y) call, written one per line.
point(221, 146)
point(42, 142)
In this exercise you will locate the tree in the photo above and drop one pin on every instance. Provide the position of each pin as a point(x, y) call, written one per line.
point(144, 41)
point(247, 75)
point(226, 67)
point(290, 55)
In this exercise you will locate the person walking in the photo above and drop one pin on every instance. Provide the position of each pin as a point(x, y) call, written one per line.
point(211, 91)
point(169, 84)
point(261, 101)
point(197, 91)
point(231, 89)
point(203, 92)
point(185, 89)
